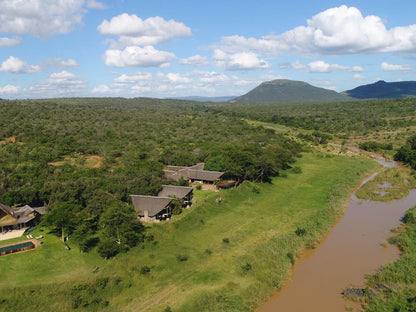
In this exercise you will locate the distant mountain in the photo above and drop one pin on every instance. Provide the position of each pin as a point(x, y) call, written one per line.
point(289, 91)
point(384, 90)
point(205, 99)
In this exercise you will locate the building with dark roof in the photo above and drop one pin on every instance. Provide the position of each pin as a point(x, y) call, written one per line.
point(181, 192)
point(19, 217)
point(152, 208)
point(194, 173)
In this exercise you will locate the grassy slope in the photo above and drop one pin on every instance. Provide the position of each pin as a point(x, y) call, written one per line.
point(258, 220)
point(395, 283)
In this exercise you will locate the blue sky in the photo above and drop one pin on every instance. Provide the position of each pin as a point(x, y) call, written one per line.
point(169, 48)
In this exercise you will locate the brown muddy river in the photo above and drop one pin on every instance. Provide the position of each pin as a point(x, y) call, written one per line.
point(352, 249)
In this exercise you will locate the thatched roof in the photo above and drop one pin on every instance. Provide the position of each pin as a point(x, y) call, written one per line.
point(18, 215)
point(40, 210)
point(173, 190)
point(6, 209)
point(204, 175)
point(195, 172)
point(175, 168)
point(199, 166)
point(152, 204)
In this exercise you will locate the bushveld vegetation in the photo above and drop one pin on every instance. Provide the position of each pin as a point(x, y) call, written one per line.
point(229, 251)
point(407, 153)
point(383, 121)
point(135, 139)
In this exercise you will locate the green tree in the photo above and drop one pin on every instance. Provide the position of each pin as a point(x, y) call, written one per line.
point(118, 224)
point(64, 217)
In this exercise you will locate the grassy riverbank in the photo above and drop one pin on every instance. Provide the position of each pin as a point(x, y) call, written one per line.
point(229, 252)
point(394, 286)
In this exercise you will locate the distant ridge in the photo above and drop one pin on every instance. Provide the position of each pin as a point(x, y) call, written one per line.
point(205, 99)
point(289, 91)
point(384, 90)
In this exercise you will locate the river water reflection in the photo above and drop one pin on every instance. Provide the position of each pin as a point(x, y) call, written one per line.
point(352, 249)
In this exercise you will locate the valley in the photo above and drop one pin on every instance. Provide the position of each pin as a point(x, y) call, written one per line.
point(231, 250)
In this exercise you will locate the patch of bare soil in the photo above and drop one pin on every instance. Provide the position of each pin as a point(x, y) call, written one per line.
point(99, 160)
point(8, 140)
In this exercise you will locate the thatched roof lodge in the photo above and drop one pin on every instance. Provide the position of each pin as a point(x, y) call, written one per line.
point(181, 192)
point(175, 191)
point(16, 218)
point(151, 208)
point(156, 208)
point(194, 173)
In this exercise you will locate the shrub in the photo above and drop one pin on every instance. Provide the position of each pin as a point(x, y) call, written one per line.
point(291, 257)
point(297, 170)
point(300, 232)
point(181, 258)
point(225, 240)
point(101, 283)
point(410, 217)
point(144, 270)
point(246, 267)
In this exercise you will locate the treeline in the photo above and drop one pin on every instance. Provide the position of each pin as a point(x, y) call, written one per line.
point(342, 119)
point(372, 146)
point(407, 153)
point(136, 139)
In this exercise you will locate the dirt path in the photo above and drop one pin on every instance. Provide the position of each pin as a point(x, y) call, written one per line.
point(99, 161)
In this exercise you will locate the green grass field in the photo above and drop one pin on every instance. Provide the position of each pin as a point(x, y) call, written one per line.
point(220, 255)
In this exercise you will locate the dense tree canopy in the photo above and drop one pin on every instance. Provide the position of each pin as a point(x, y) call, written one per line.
point(407, 153)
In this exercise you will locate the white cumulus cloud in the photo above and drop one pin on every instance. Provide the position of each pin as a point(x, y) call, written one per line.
point(15, 65)
point(392, 67)
point(9, 89)
point(60, 63)
point(133, 78)
point(336, 31)
point(132, 30)
point(323, 67)
point(239, 61)
point(40, 18)
point(195, 60)
point(133, 56)
point(92, 4)
point(61, 83)
point(101, 89)
point(173, 78)
point(9, 42)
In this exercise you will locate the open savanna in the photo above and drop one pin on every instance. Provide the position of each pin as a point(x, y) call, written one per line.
point(383, 121)
point(228, 252)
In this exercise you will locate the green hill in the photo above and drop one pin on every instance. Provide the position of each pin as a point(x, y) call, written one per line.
point(384, 90)
point(289, 91)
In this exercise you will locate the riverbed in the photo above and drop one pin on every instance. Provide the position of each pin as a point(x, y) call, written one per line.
point(356, 246)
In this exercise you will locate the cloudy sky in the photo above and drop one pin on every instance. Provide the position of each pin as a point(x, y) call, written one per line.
point(174, 48)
